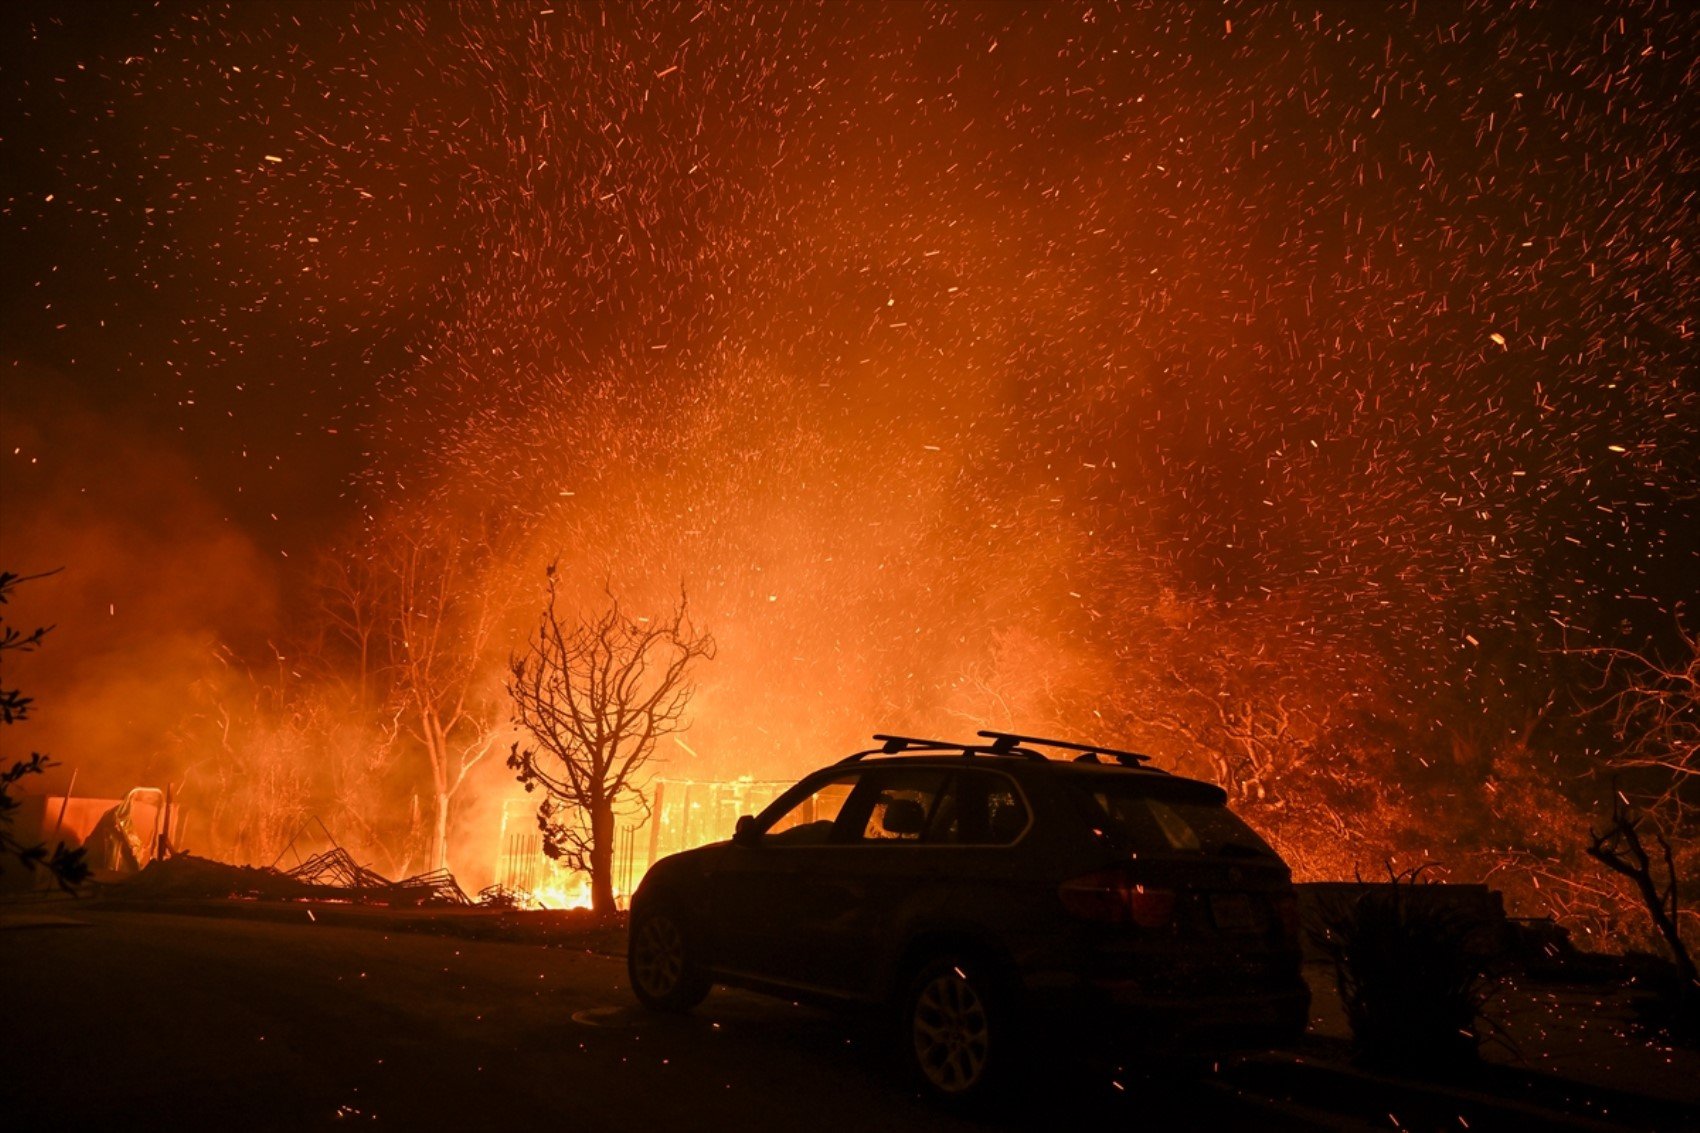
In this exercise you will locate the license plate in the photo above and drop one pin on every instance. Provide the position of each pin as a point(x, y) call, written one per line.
point(1233, 911)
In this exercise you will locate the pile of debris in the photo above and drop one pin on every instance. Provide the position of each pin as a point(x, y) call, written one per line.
point(499, 896)
point(332, 876)
point(336, 870)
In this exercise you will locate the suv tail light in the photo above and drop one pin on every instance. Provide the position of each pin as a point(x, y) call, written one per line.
point(1113, 897)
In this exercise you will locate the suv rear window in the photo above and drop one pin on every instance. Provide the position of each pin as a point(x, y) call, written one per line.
point(1130, 813)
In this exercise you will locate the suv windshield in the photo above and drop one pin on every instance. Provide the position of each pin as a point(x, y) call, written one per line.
point(1131, 814)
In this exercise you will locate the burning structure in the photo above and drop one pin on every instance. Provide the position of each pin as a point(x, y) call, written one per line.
point(119, 836)
point(683, 813)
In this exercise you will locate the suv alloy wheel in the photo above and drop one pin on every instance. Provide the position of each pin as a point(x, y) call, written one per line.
point(664, 973)
point(952, 1029)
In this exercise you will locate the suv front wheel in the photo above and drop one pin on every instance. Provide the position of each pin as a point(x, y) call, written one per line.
point(666, 973)
point(952, 1024)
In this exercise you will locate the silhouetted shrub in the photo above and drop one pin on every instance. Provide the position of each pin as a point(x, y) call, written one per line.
point(1412, 989)
point(66, 866)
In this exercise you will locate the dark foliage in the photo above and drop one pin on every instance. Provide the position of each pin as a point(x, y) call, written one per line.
point(1413, 990)
point(65, 866)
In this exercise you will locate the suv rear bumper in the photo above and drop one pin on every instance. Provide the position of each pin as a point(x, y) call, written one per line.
point(1122, 1015)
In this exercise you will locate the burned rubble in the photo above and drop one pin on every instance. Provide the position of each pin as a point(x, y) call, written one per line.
point(331, 876)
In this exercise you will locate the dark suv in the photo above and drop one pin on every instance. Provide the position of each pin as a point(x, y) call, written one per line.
point(994, 898)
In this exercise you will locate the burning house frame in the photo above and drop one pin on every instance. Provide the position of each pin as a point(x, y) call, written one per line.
point(683, 813)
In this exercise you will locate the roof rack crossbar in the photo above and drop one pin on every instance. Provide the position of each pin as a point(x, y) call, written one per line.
point(891, 745)
point(1008, 741)
point(894, 745)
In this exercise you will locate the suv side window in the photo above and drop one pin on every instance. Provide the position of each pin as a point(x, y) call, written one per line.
point(809, 821)
point(1127, 812)
point(898, 806)
point(980, 809)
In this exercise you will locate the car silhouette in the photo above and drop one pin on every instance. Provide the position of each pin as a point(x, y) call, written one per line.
point(991, 900)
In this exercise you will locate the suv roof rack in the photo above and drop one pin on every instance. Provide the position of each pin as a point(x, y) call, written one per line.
point(1003, 743)
point(895, 745)
point(1010, 741)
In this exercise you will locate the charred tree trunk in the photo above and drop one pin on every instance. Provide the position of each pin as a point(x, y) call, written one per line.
point(602, 859)
point(440, 833)
point(437, 854)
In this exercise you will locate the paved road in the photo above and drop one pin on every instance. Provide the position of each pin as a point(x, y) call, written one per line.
point(149, 1021)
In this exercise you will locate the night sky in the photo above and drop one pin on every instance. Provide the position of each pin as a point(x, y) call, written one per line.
point(966, 362)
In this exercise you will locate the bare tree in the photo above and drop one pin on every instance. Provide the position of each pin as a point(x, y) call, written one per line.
point(1654, 708)
point(596, 695)
point(252, 740)
point(1621, 849)
point(351, 602)
point(409, 608)
point(439, 611)
point(1253, 743)
point(349, 656)
point(1239, 709)
point(1650, 700)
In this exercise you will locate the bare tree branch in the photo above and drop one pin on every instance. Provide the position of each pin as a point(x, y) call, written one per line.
point(1621, 850)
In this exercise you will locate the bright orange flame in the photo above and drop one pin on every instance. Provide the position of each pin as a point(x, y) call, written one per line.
point(569, 891)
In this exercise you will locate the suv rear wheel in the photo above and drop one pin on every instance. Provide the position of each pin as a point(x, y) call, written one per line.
point(666, 973)
point(952, 1035)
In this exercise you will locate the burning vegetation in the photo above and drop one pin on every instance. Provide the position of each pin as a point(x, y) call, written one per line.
point(1305, 397)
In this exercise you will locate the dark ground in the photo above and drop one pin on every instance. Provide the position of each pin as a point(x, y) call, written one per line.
point(145, 1020)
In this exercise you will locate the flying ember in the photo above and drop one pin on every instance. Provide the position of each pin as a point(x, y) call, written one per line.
point(499, 447)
